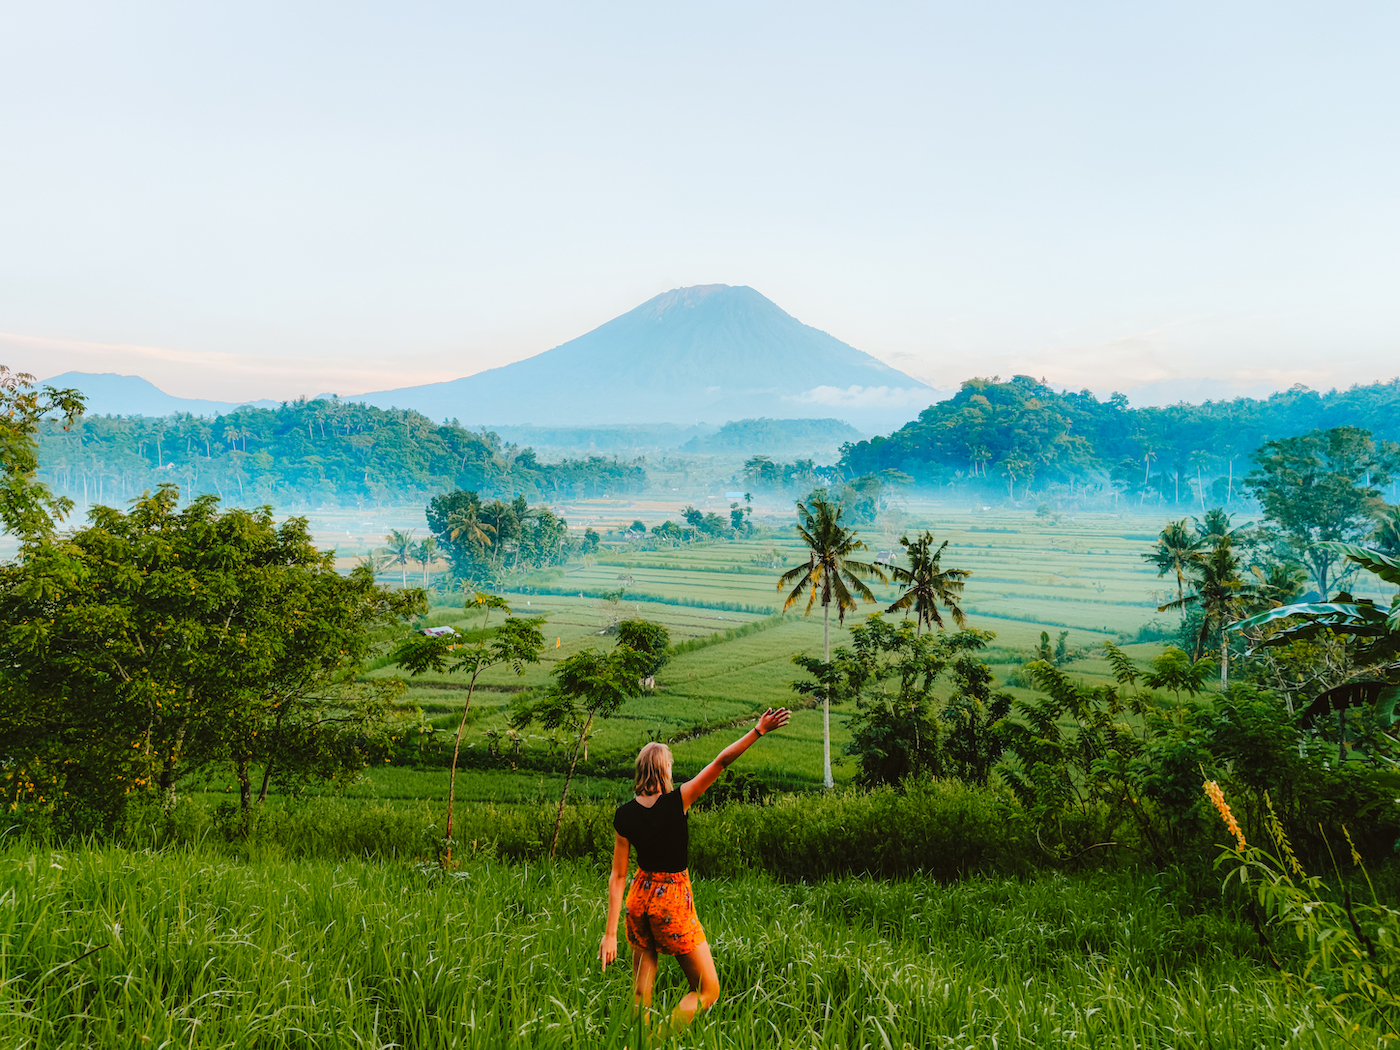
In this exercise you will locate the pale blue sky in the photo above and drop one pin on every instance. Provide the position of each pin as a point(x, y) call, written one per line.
point(250, 199)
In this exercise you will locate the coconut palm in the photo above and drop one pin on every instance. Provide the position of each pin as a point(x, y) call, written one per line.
point(468, 523)
point(926, 583)
point(401, 551)
point(1222, 595)
point(831, 577)
point(424, 554)
point(1176, 551)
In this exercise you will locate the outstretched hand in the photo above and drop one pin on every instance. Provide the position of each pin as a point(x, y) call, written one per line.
point(771, 720)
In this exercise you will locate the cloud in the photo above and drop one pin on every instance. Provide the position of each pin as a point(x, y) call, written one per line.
point(864, 397)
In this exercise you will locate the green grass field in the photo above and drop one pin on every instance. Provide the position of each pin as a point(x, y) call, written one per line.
point(1086, 576)
point(106, 947)
point(183, 946)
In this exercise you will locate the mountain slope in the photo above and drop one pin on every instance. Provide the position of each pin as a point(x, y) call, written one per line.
point(711, 352)
point(109, 394)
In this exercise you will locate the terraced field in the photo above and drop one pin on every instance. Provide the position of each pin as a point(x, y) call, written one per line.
point(1084, 575)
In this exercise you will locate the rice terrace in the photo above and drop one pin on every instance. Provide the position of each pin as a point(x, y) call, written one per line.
point(790, 527)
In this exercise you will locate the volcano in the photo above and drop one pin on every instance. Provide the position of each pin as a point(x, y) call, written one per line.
point(712, 352)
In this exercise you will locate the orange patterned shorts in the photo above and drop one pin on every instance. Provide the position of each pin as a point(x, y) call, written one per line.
point(661, 913)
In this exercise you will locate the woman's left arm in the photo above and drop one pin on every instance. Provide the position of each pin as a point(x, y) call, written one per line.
point(617, 882)
point(767, 722)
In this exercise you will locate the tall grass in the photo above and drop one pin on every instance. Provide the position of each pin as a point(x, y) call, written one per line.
point(942, 829)
point(114, 947)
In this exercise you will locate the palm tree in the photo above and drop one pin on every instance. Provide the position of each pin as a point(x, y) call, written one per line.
point(468, 523)
point(401, 551)
point(1176, 552)
point(1222, 596)
point(829, 576)
point(424, 554)
point(926, 584)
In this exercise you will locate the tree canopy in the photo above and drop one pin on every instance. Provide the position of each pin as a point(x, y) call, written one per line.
point(1006, 434)
point(161, 642)
point(309, 452)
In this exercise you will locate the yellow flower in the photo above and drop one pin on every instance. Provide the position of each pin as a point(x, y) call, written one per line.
point(1217, 797)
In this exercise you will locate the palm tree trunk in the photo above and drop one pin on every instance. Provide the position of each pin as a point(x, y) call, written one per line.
point(1224, 660)
point(827, 780)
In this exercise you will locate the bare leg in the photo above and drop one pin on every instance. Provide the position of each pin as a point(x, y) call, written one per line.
point(699, 970)
point(643, 977)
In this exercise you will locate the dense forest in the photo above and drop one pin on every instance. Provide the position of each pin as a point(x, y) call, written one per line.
point(1020, 435)
point(309, 453)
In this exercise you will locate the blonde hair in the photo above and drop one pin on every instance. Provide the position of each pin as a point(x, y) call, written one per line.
point(654, 769)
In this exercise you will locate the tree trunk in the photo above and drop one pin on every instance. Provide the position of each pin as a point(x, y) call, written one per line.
point(827, 780)
point(276, 736)
point(559, 817)
point(245, 785)
point(1224, 660)
point(452, 774)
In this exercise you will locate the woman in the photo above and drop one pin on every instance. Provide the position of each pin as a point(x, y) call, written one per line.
point(661, 916)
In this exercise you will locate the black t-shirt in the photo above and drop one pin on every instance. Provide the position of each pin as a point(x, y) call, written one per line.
point(660, 832)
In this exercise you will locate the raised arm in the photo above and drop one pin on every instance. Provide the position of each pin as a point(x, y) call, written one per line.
point(767, 722)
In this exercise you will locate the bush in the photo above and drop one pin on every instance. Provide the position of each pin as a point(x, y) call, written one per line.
point(943, 828)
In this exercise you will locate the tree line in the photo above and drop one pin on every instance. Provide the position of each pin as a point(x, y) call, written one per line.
point(1020, 435)
point(307, 453)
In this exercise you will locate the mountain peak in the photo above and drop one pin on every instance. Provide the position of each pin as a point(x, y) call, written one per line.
point(711, 351)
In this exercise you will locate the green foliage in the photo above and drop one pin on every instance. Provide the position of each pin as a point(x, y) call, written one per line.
point(926, 583)
point(1107, 765)
point(27, 508)
point(648, 639)
point(314, 451)
point(1353, 948)
point(1319, 488)
point(589, 685)
point(485, 540)
point(159, 643)
point(991, 431)
point(970, 742)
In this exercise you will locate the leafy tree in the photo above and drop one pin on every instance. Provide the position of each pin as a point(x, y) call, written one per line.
point(972, 711)
point(1176, 551)
point(515, 643)
point(310, 451)
point(1318, 488)
point(477, 535)
point(1221, 593)
point(27, 508)
point(154, 644)
point(588, 685)
point(1386, 536)
point(830, 576)
point(648, 639)
point(926, 583)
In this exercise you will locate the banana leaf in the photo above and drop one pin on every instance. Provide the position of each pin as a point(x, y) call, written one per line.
point(1383, 565)
point(1382, 696)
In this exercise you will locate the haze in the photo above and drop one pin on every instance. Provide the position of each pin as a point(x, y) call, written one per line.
point(266, 200)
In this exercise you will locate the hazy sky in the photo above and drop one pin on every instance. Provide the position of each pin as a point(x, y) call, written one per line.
point(244, 200)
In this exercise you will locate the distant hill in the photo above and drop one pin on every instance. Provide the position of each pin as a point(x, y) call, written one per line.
point(709, 353)
point(109, 394)
point(802, 437)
